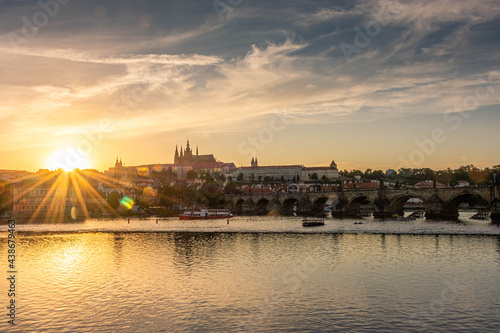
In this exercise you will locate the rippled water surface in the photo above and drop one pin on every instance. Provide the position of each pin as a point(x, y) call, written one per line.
point(256, 274)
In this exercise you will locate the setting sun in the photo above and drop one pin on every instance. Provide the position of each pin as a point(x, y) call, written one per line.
point(67, 159)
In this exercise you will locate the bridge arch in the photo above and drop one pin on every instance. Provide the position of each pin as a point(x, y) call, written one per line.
point(289, 206)
point(318, 206)
point(261, 206)
point(238, 206)
point(354, 205)
point(453, 203)
point(397, 204)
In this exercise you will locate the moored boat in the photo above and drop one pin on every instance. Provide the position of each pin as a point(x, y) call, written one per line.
point(312, 222)
point(206, 214)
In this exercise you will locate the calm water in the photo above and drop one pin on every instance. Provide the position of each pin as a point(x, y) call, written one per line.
point(256, 274)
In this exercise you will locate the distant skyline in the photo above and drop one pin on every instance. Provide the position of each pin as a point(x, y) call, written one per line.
point(369, 84)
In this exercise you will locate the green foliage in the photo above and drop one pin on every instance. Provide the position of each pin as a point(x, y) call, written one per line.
point(191, 174)
point(231, 188)
point(113, 199)
point(212, 194)
point(5, 197)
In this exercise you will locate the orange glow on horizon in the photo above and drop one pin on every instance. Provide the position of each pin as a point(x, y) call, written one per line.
point(67, 159)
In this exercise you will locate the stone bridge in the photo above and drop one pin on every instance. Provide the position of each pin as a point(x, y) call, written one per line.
point(440, 203)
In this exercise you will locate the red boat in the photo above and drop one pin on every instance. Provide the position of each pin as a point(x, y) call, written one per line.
point(206, 214)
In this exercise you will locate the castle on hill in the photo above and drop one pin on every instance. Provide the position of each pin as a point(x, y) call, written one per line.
point(185, 160)
point(186, 157)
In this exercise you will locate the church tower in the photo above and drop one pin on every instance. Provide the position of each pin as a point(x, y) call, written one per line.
point(188, 153)
point(176, 156)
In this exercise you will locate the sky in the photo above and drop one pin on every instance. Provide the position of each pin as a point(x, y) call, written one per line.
point(369, 84)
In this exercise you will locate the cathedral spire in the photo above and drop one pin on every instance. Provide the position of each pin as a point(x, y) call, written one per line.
point(187, 146)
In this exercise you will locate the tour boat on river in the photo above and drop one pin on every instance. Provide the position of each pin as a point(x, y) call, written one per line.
point(206, 214)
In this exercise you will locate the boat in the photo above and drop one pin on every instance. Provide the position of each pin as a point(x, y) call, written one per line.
point(206, 214)
point(312, 222)
point(481, 216)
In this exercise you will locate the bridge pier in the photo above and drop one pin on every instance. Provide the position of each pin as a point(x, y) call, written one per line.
point(248, 207)
point(435, 210)
point(495, 211)
point(274, 207)
point(381, 206)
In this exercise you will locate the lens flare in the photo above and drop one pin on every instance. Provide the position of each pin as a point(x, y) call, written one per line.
point(73, 213)
point(127, 202)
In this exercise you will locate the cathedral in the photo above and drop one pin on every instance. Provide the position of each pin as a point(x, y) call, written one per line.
point(186, 157)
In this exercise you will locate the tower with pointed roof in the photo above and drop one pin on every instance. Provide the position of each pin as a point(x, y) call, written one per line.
point(176, 155)
point(188, 153)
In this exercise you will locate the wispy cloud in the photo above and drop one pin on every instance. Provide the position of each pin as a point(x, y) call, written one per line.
point(195, 73)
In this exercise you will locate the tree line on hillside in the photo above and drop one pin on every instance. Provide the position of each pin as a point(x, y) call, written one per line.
point(411, 176)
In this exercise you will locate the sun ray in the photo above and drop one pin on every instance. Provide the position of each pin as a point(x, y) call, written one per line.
point(42, 180)
point(51, 195)
point(78, 193)
point(96, 195)
point(112, 182)
point(52, 188)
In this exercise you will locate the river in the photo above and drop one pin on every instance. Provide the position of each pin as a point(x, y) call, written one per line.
point(257, 274)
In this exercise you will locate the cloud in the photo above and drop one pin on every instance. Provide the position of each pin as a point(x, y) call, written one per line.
point(189, 71)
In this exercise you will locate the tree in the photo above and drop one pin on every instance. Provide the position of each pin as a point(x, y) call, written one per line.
point(212, 193)
point(267, 179)
point(168, 196)
point(314, 176)
point(113, 199)
point(377, 175)
point(5, 197)
point(240, 177)
point(191, 174)
point(231, 188)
